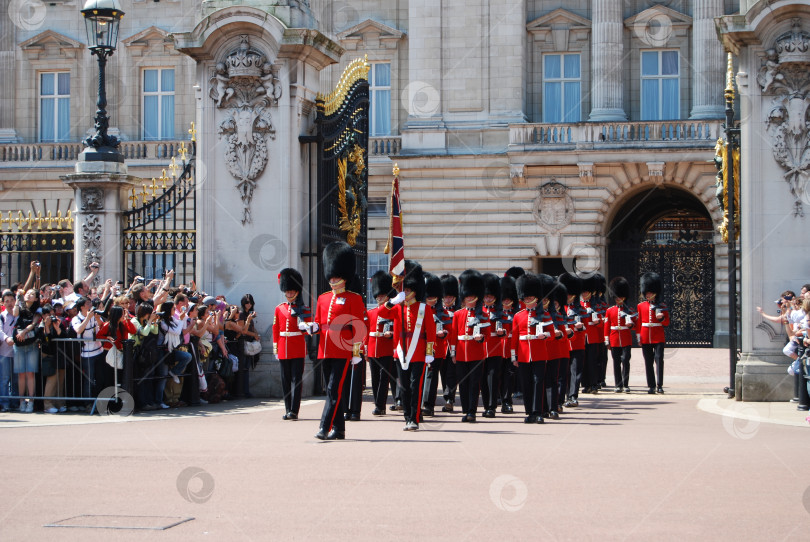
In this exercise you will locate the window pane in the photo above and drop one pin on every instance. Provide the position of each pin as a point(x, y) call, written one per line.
point(46, 120)
point(572, 66)
point(572, 102)
point(64, 84)
point(167, 80)
point(150, 80)
point(552, 104)
point(649, 99)
point(150, 117)
point(552, 67)
point(46, 85)
point(670, 99)
point(376, 207)
point(669, 61)
point(381, 101)
point(167, 117)
point(63, 122)
point(382, 75)
point(649, 63)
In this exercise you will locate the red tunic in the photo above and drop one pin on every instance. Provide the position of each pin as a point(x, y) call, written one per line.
point(506, 340)
point(494, 342)
point(461, 336)
point(524, 344)
point(577, 341)
point(427, 335)
point(618, 331)
point(649, 328)
point(378, 346)
point(289, 342)
point(442, 346)
point(593, 324)
point(340, 319)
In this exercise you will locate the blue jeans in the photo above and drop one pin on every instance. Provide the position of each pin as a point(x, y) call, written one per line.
point(181, 360)
point(89, 372)
point(5, 379)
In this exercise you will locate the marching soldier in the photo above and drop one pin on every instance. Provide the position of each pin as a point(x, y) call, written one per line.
point(576, 316)
point(448, 367)
point(380, 339)
point(339, 320)
point(507, 374)
point(414, 336)
point(561, 340)
point(357, 372)
point(601, 306)
point(443, 320)
point(291, 319)
point(553, 344)
point(653, 317)
point(529, 353)
point(593, 334)
point(467, 341)
point(490, 385)
point(619, 326)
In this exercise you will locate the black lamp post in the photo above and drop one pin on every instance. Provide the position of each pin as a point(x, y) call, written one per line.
point(733, 143)
point(102, 18)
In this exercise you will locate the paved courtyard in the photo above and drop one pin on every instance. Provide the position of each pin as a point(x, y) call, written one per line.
point(688, 464)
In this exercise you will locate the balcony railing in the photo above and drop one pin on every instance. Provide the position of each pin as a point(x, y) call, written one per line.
point(57, 152)
point(610, 134)
point(384, 146)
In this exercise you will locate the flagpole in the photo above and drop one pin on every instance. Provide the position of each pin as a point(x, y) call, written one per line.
point(395, 247)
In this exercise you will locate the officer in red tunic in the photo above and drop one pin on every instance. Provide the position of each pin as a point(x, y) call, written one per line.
point(576, 316)
point(490, 383)
point(414, 336)
point(339, 320)
point(467, 341)
point(448, 369)
point(593, 334)
point(619, 326)
point(357, 372)
point(653, 317)
point(434, 292)
point(379, 343)
point(529, 353)
point(509, 302)
point(290, 321)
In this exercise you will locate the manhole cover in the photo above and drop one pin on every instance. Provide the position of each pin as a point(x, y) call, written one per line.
point(90, 521)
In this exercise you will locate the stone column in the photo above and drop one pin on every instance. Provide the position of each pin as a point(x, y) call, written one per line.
point(708, 61)
point(607, 89)
point(98, 189)
point(8, 45)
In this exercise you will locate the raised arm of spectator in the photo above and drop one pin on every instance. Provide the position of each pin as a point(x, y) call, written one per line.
point(94, 267)
point(33, 276)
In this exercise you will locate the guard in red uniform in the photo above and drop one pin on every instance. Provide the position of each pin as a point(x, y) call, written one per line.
point(467, 341)
point(490, 384)
point(653, 317)
point(561, 339)
point(529, 353)
point(448, 368)
point(619, 325)
point(290, 321)
point(357, 372)
point(576, 316)
point(379, 343)
point(443, 320)
point(339, 319)
point(593, 335)
point(553, 344)
point(601, 305)
point(414, 336)
point(509, 301)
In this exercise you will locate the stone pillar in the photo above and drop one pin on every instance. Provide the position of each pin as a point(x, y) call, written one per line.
point(99, 189)
point(607, 89)
point(8, 46)
point(708, 61)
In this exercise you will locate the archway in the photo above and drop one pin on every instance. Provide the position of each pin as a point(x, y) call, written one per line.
point(667, 230)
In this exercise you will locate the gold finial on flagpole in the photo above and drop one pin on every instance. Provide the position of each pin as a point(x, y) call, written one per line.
point(396, 170)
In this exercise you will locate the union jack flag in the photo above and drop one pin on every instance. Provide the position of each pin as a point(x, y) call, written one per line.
point(396, 244)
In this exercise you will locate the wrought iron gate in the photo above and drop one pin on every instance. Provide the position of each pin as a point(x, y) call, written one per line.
point(160, 231)
point(687, 271)
point(47, 239)
point(342, 138)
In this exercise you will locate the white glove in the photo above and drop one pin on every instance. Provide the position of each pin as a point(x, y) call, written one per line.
point(428, 359)
point(514, 358)
point(399, 298)
point(303, 326)
point(356, 360)
point(545, 335)
point(607, 341)
point(314, 328)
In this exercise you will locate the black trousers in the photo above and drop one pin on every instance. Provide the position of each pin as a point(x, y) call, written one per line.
point(603, 362)
point(397, 383)
point(621, 365)
point(654, 354)
point(507, 380)
point(449, 380)
point(382, 372)
point(490, 383)
point(292, 379)
point(577, 366)
point(551, 375)
point(336, 372)
point(413, 382)
point(356, 380)
point(469, 384)
point(591, 366)
point(563, 374)
point(532, 376)
point(431, 387)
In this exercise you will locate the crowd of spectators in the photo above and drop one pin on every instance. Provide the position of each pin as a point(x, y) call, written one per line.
point(64, 343)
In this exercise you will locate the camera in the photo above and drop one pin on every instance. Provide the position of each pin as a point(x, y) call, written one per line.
point(54, 319)
point(159, 313)
point(139, 279)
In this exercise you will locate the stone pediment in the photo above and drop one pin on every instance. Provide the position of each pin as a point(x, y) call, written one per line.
point(153, 39)
point(370, 34)
point(662, 15)
point(559, 23)
point(51, 45)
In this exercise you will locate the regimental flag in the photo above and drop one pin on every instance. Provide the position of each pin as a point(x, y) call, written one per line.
point(396, 244)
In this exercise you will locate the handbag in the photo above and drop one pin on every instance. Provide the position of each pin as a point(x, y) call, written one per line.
point(115, 358)
point(225, 368)
point(253, 348)
point(48, 366)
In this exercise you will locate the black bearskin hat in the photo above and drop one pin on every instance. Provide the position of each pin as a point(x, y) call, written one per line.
point(382, 284)
point(414, 279)
point(529, 285)
point(590, 284)
point(620, 287)
point(338, 261)
point(492, 286)
point(601, 283)
point(572, 283)
point(559, 294)
point(450, 286)
point(651, 282)
point(355, 285)
point(508, 288)
point(433, 286)
point(472, 285)
point(546, 284)
point(290, 279)
point(514, 272)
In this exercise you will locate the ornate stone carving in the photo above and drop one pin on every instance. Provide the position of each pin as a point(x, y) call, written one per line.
point(92, 199)
point(586, 175)
point(517, 172)
point(91, 236)
point(655, 171)
point(246, 85)
point(553, 206)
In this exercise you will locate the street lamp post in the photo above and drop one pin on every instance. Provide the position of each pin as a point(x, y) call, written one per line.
point(102, 18)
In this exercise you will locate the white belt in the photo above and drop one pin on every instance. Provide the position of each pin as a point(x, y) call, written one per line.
point(618, 328)
point(651, 324)
point(529, 337)
point(290, 333)
point(377, 334)
point(465, 337)
point(593, 323)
